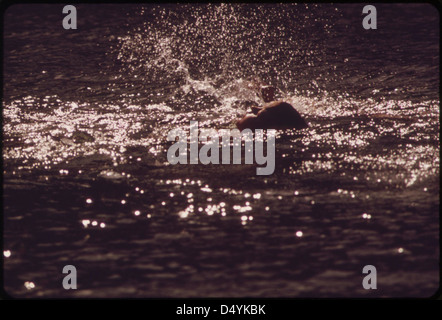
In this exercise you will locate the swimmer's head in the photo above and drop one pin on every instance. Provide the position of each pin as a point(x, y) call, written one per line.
point(268, 93)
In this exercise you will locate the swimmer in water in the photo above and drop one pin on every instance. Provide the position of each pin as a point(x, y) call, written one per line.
point(273, 115)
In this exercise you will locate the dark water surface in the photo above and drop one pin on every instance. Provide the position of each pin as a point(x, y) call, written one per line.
point(86, 180)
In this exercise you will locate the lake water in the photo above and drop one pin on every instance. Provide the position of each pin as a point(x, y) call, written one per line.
point(86, 181)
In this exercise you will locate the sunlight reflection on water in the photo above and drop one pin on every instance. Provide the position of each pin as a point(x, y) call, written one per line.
point(359, 186)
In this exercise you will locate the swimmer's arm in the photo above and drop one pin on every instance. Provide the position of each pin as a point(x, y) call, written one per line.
point(255, 110)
